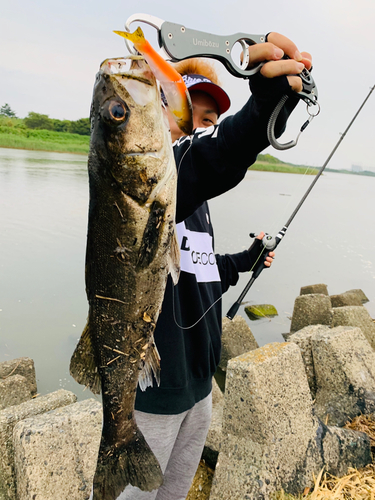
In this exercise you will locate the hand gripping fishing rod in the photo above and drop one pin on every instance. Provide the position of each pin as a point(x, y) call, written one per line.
point(269, 242)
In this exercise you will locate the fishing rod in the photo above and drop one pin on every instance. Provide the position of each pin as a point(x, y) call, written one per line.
point(269, 242)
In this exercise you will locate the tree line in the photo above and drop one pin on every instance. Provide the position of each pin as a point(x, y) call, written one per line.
point(39, 121)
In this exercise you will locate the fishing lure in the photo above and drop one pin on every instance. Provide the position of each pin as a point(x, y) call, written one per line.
point(171, 82)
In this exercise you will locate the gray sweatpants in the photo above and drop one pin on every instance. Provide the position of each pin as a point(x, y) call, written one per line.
point(177, 442)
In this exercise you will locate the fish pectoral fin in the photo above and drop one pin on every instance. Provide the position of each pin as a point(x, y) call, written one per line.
point(174, 259)
point(82, 364)
point(151, 366)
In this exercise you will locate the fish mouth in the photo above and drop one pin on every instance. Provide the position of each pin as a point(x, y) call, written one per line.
point(133, 67)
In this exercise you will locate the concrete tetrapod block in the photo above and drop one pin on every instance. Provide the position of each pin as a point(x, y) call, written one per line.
point(355, 316)
point(8, 419)
point(309, 289)
point(345, 374)
point(20, 366)
point(56, 453)
point(361, 294)
point(14, 390)
point(303, 339)
point(346, 299)
point(214, 436)
point(311, 309)
point(236, 339)
point(271, 438)
point(269, 430)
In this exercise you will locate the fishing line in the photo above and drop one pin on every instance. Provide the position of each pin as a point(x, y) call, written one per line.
point(173, 289)
point(209, 308)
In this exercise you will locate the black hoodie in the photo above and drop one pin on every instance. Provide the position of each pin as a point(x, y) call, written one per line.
point(188, 331)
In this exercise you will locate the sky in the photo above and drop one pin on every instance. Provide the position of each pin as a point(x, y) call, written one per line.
point(51, 51)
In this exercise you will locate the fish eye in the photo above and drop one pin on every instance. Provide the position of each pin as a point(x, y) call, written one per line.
point(117, 111)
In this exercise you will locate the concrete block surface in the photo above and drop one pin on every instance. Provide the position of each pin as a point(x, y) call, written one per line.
point(271, 438)
point(56, 453)
point(355, 316)
point(214, 436)
point(303, 339)
point(20, 366)
point(269, 430)
point(361, 294)
point(14, 390)
point(311, 309)
point(236, 339)
point(309, 289)
point(345, 374)
point(346, 299)
point(8, 419)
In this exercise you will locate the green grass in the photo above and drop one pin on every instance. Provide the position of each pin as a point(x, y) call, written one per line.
point(265, 166)
point(14, 134)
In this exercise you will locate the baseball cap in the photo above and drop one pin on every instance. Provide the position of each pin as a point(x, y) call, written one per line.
point(200, 82)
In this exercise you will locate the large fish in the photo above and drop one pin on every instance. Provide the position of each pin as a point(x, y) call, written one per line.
point(131, 247)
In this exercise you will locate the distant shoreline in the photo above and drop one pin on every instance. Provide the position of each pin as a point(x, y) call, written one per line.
point(67, 143)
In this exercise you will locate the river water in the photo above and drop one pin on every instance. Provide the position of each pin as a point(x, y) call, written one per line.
point(43, 224)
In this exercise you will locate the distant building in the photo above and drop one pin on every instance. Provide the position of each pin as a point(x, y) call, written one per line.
point(357, 168)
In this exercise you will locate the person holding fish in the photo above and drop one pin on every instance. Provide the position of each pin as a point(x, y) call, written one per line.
point(157, 410)
point(175, 416)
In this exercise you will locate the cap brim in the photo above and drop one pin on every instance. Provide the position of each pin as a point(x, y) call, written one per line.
point(217, 93)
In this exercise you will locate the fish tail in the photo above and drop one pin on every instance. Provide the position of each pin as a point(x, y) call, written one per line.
point(137, 37)
point(122, 464)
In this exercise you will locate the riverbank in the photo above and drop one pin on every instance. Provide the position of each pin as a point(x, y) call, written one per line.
point(14, 134)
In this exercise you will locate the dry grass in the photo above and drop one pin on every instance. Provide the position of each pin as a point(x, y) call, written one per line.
point(355, 485)
point(364, 423)
point(201, 487)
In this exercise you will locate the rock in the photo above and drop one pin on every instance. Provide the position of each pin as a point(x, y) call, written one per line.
point(260, 311)
point(56, 453)
point(346, 299)
point(14, 390)
point(271, 438)
point(214, 436)
point(355, 316)
point(342, 447)
point(312, 309)
point(8, 419)
point(236, 339)
point(309, 289)
point(20, 366)
point(345, 374)
point(303, 339)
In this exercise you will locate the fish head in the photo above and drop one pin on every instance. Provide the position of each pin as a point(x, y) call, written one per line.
point(129, 132)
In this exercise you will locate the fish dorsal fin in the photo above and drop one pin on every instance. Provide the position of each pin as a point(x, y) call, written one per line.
point(82, 364)
point(151, 366)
